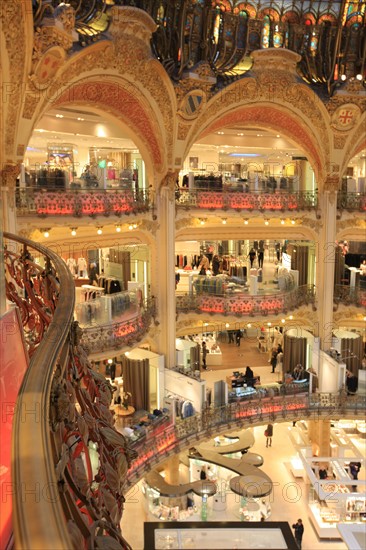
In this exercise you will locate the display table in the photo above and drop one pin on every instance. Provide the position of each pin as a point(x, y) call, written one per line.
point(121, 411)
point(324, 521)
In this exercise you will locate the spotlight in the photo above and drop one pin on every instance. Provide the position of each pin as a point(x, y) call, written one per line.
point(343, 77)
point(283, 321)
point(227, 325)
point(282, 222)
point(359, 76)
point(99, 230)
point(202, 222)
point(118, 229)
point(110, 361)
point(293, 222)
point(246, 222)
point(130, 227)
point(266, 222)
point(73, 231)
point(249, 325)
point(46, 233)
point(134, 225)
point(224, 221)
point(291, 317)
point(269, 324)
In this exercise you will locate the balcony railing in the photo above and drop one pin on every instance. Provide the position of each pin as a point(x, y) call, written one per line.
point(215, 420)
point(347, 295)
point(78, 203)
point(277, 201)
point(62, 425)
point(244, 305)
point(351, 201)
point(116, 335)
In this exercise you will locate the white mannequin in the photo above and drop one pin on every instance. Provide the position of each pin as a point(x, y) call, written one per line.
point(82, 266)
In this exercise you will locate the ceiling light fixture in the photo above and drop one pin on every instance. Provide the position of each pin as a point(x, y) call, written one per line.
point(73, 231)
point(224, 221)
point(100, 230)
point(59, 116)
point(130, 227)
point(246, 222)
point(134, 225)
point(202, 221)
point(359, 76)
point(291, 317)
point(343, 77)
point(118, 229)
point(293, 221)
point(283, 321)
point(282, 222)
point(278, 135)
point(266, 222)
point(46, 233)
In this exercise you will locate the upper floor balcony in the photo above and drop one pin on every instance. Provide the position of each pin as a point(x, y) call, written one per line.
point(238, 199)
point(32, 201)
point(351, 201)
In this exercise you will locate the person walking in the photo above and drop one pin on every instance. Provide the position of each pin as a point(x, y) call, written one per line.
point(299, 531)
point(252, 255)
point(238, 337)
point(204, 355)
point(273, 360)
point(269, 434)
point(231, 336)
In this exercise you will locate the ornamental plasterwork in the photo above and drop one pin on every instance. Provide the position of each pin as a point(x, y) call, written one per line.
point(184, 223)
point(346, 313)
point(281, 90)
point(149, 226)
point(357, 138)
point(355, 94)
point(9, 173)
point(345, 117)
point(351, 222)
point(183, 130)
point(12, 23)
point(339, 141)
point(316, 225)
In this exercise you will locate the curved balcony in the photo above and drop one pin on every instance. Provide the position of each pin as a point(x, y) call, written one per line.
point(352, 202)
point(116, 335)
point(277, 201)
point(79, 203)
point(347, 295)
point(188, 432)
point(244, 305)
point(62, 427)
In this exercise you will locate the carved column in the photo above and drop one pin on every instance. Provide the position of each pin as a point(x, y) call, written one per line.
point(319, 435)
point(326, 260)
point(9, 174)
point(165, 244)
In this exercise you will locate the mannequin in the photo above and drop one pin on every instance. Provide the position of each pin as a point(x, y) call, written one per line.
point(71, 264)
point(82, 265)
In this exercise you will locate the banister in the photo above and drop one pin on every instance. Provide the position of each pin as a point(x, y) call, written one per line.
point(38, 519)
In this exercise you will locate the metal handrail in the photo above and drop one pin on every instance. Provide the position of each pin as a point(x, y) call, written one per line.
point(80, 202)
point(276, 201)
point(62, 408)
point(39, 522)
point(351, 201)
point(249, 412)
point(347, 295)
point(247, 305)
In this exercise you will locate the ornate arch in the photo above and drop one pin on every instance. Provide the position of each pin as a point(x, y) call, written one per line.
point(123, 103)
point(356, 143)
point(272, 98)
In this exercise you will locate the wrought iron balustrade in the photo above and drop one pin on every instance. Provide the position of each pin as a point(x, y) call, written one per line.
point(78, 203)
point(246, 305)
point(119, 334)
point(347, 295)
point(249, 201)
point(247, 413)
point(62, 422)
point(351, 201)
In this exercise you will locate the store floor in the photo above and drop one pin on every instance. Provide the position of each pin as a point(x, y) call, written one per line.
point(290, 495)
point(288, 501)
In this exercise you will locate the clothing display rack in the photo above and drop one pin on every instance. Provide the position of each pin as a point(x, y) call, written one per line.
point(110, 284)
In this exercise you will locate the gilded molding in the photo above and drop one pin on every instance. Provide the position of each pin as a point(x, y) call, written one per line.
point(351, 222)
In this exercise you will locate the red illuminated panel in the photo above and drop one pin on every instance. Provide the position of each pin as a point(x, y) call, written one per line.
point(13, 364)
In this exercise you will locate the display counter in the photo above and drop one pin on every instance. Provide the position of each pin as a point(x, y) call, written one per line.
point(214, 355)
point(324, 521)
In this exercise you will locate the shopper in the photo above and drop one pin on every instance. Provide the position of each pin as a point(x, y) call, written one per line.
point(274, 360)
point(269, 434)
point(215, 265)
point(204, 354)
point(252, 255)
point(231, 336)
point(238, 336)
point(354, 468)
point(260, 258)
point(249, 377)
point(299, 531)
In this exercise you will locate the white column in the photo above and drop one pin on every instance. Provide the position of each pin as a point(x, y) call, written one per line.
point(165, 287)
point(326, 265)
